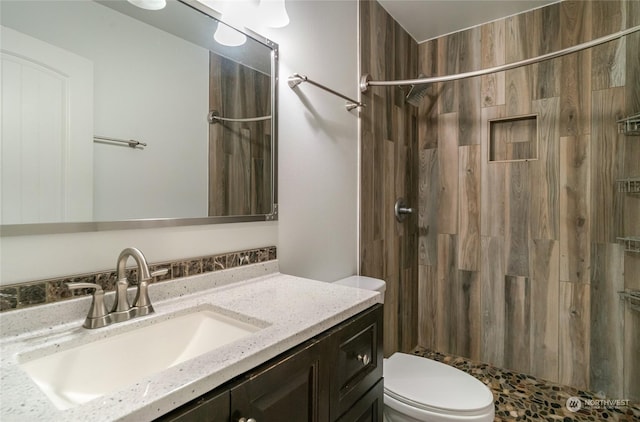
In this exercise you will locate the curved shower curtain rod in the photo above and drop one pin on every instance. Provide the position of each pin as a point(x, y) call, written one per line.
point(366, 82)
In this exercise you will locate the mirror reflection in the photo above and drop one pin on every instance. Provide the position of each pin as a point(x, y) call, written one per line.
point(113, 112)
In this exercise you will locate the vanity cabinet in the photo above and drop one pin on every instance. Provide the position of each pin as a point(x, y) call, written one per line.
point(211, 407)
point(289, 389)
point(354, 360)
point(333, 377)
point(368, 408)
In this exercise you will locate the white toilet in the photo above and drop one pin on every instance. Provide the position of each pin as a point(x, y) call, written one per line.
point(417, 389)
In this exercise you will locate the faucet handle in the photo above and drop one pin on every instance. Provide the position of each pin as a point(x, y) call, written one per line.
point(159, 272)
point(98, 315)
point(142, 302)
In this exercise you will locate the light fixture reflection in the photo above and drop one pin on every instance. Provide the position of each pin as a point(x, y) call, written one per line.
point(226, 35)
point(254, 14)
point(149, 4)
point(273, 13)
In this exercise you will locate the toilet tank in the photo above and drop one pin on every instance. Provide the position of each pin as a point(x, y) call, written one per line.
point(364, 282)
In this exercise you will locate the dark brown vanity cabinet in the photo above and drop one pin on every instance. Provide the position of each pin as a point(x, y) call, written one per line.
point(354, 359)
point(368, 408)
point(289, 389)
point(211, 407)
point(334, 377)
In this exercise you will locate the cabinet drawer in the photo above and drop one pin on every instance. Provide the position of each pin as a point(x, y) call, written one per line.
point(357, 363)
point(356, 357)
point(369, 408)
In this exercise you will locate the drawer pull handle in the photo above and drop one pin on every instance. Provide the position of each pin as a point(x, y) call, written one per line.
point(246, 420)
point(365, 359)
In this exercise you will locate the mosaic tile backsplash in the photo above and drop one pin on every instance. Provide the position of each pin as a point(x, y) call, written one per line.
point(40, 292)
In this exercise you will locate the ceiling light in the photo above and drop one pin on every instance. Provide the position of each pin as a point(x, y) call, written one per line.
point(149, 4)
point(273, 13)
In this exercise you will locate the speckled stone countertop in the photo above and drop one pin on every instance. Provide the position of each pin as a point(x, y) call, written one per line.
point(291, 310)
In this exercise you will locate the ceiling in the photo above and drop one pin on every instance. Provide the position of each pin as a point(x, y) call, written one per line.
point(426, 19)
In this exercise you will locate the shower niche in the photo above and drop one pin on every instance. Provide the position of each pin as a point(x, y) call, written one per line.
point(513, 138)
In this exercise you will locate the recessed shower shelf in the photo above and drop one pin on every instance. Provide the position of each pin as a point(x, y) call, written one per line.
point(631, 243)
point(630, 185)
point(629, 125)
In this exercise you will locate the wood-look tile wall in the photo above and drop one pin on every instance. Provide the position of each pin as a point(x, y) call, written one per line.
point(518, 260)
point(239, 152)
point(389, 171)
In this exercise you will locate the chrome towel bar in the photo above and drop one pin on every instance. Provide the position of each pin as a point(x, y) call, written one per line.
point(214, 117)
point(296, 79)
point(130, 142)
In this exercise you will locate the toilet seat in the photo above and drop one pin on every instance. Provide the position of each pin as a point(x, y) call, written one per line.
point(419, 385)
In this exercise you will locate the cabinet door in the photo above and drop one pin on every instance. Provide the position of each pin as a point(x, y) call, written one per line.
point(212, 407)
point(368, 408)
point(288, 390)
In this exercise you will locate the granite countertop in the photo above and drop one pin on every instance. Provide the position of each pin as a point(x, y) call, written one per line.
point(289, 309)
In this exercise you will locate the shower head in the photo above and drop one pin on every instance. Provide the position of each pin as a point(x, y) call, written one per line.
point(416, 93)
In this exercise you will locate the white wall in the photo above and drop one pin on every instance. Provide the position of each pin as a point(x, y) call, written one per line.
point(26, 258)
point(317, 229)
point(318, 157)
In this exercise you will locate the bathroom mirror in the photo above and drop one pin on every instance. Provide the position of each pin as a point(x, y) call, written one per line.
point(114, 118)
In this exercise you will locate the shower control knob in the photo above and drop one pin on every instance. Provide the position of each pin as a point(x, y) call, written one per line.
point(365, 359)
point(401, 210)
point(246, 420)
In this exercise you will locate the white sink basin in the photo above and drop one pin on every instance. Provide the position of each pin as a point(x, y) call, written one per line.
point(80, 374)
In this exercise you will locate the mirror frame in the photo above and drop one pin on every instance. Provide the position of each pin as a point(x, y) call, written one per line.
point(148, 223)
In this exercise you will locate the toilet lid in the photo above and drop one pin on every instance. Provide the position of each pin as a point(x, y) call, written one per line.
point(428, 384)
point(363, 282)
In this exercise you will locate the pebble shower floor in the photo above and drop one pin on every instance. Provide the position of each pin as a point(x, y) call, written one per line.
point(522, 397)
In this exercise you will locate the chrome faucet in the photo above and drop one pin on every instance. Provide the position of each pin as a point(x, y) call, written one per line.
point(121, 309)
